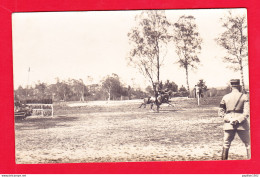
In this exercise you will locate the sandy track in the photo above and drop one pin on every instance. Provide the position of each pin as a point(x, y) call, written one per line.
point(124, 133)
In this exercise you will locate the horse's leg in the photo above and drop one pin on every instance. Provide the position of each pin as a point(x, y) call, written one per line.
point(141, 105)
point(170, 104)
point(167, 102)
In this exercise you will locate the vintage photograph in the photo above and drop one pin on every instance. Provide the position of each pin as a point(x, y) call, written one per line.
point(131, 86)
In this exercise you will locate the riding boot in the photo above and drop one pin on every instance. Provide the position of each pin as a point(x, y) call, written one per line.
point(248, 153)
point(225, 153)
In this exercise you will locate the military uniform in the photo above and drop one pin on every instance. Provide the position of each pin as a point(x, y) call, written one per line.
point(196, 91)
point(234, 109)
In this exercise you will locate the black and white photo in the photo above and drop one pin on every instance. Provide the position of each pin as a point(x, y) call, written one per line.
point(131, 86)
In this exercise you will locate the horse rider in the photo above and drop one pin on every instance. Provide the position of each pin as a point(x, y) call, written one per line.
point(234, 109)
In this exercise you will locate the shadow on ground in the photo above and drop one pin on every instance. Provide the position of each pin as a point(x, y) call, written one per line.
point(168, 110)
point(43, 123)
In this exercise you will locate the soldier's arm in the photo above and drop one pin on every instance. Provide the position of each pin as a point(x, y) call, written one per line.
point(246, 110)
point(222, 108)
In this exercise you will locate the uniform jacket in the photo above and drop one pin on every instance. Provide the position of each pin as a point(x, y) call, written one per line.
point(241, 113)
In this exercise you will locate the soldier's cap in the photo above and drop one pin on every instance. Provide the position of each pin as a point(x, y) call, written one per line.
point(235, 82)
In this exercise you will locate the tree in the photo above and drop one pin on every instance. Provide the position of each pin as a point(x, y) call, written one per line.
point(183, 92)
point(149, 90)
point(201, 89)
point(112, 86)
point(148, 40)
point(78, 89)
point(62, 90)
point(170, 86)
point(182, 89)
point(202, 85)
point(187, 43)
point(23, 94)
point(41, 90)
point(138, 93)
point(20, 93)
point(234, 41)
point(96, 92)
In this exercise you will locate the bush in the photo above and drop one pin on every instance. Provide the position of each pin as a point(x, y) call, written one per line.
point(217, 92)
point(180, 94)
point(38, 101)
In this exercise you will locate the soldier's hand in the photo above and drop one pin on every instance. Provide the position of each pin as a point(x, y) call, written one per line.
point(234, 122)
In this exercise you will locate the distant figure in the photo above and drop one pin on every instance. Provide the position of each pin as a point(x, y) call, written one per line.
point(197, 91)
point(234, 108)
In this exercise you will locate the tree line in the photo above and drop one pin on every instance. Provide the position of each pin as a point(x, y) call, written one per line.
point(109, 88)
point(75, 90)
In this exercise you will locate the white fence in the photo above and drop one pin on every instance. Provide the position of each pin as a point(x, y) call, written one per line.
point(43, 110)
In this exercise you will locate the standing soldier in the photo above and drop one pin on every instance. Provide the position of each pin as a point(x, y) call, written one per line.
point(234, 108)
point(196, 91)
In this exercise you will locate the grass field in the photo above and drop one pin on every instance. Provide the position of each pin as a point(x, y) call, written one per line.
point(118, 131)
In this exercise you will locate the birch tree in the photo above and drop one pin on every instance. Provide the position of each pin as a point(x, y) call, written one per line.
point(187, 43)
point(235, 42)
point(148, 41)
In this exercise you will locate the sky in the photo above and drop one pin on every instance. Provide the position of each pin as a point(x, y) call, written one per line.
point(80, 44)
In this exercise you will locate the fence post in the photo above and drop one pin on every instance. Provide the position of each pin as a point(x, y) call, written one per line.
point(42, 109)
point(52, 110)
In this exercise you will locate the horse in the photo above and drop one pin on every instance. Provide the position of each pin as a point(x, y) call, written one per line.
point(148, 100)
point(162, 98)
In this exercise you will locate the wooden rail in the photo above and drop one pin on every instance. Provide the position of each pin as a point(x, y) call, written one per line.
point(42, 108)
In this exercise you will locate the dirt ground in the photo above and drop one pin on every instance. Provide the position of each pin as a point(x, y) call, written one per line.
point(119, 131)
